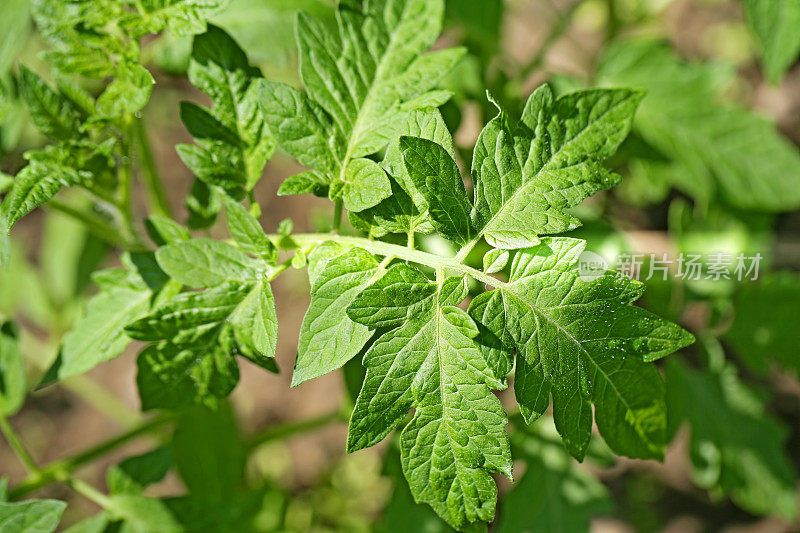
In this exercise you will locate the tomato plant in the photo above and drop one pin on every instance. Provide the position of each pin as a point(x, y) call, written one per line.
point(510, 257)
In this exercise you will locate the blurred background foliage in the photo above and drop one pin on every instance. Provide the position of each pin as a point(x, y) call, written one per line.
point(711, 166)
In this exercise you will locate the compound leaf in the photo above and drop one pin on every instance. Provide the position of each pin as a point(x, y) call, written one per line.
point(581, 342)
point(720, 151)
point(355, 101)
point(431, 362)
point(235, 142)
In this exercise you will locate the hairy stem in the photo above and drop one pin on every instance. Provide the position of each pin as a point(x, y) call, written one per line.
point(157, 196)
point(284, 431)
point(91, 493)
point(387, 249)
point(16, 445)
point(337, 216)
point(83, 386)
point(97, 226)
point(62, 469)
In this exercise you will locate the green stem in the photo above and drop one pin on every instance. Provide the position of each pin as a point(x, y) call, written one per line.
point(84, 387)
point(284, 431)
point(62, 469)
point(613, 24)
point(337, 216)
point(402, 252)
point(95, 225)
point(91, 493)
point(125, 190)
point(16, 445)
point(462, 254)
point(102, 400)
point(276, 271)
point(157, 196)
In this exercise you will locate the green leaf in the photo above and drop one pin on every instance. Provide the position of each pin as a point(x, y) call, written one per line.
point(203, 204)
point(35, 185)
point(328, 337)
point(405, 211)
point(720, 151)
point(255, 326)
point(774, 25)
point(191, 318)
point(765, 313)
point(134, 474)
point(736, 446)
point(6, 182)
point(235, 142)
point(402, 513)
point(209, 454)
point(388, 301)
point(580, 341)
point(365, 186)
point(430, 362)
point(127, 93)
point(308, 182)
point(202, 331)
point(14, 28)
point(142, 515)
point(32, 516)
point(80, 40)
point(99, 335)
point(436, 176)
point(554, 494)
point(54, 115)
point(13, 384)
point(355, 101)
point(528, 172)
point(495, 260)
point(299, 125)
point(94, 524)
point(163, 230)
point(248, 233)
point(174, 377)
point(51, 168)
point(205, 262)
point(180, 17)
